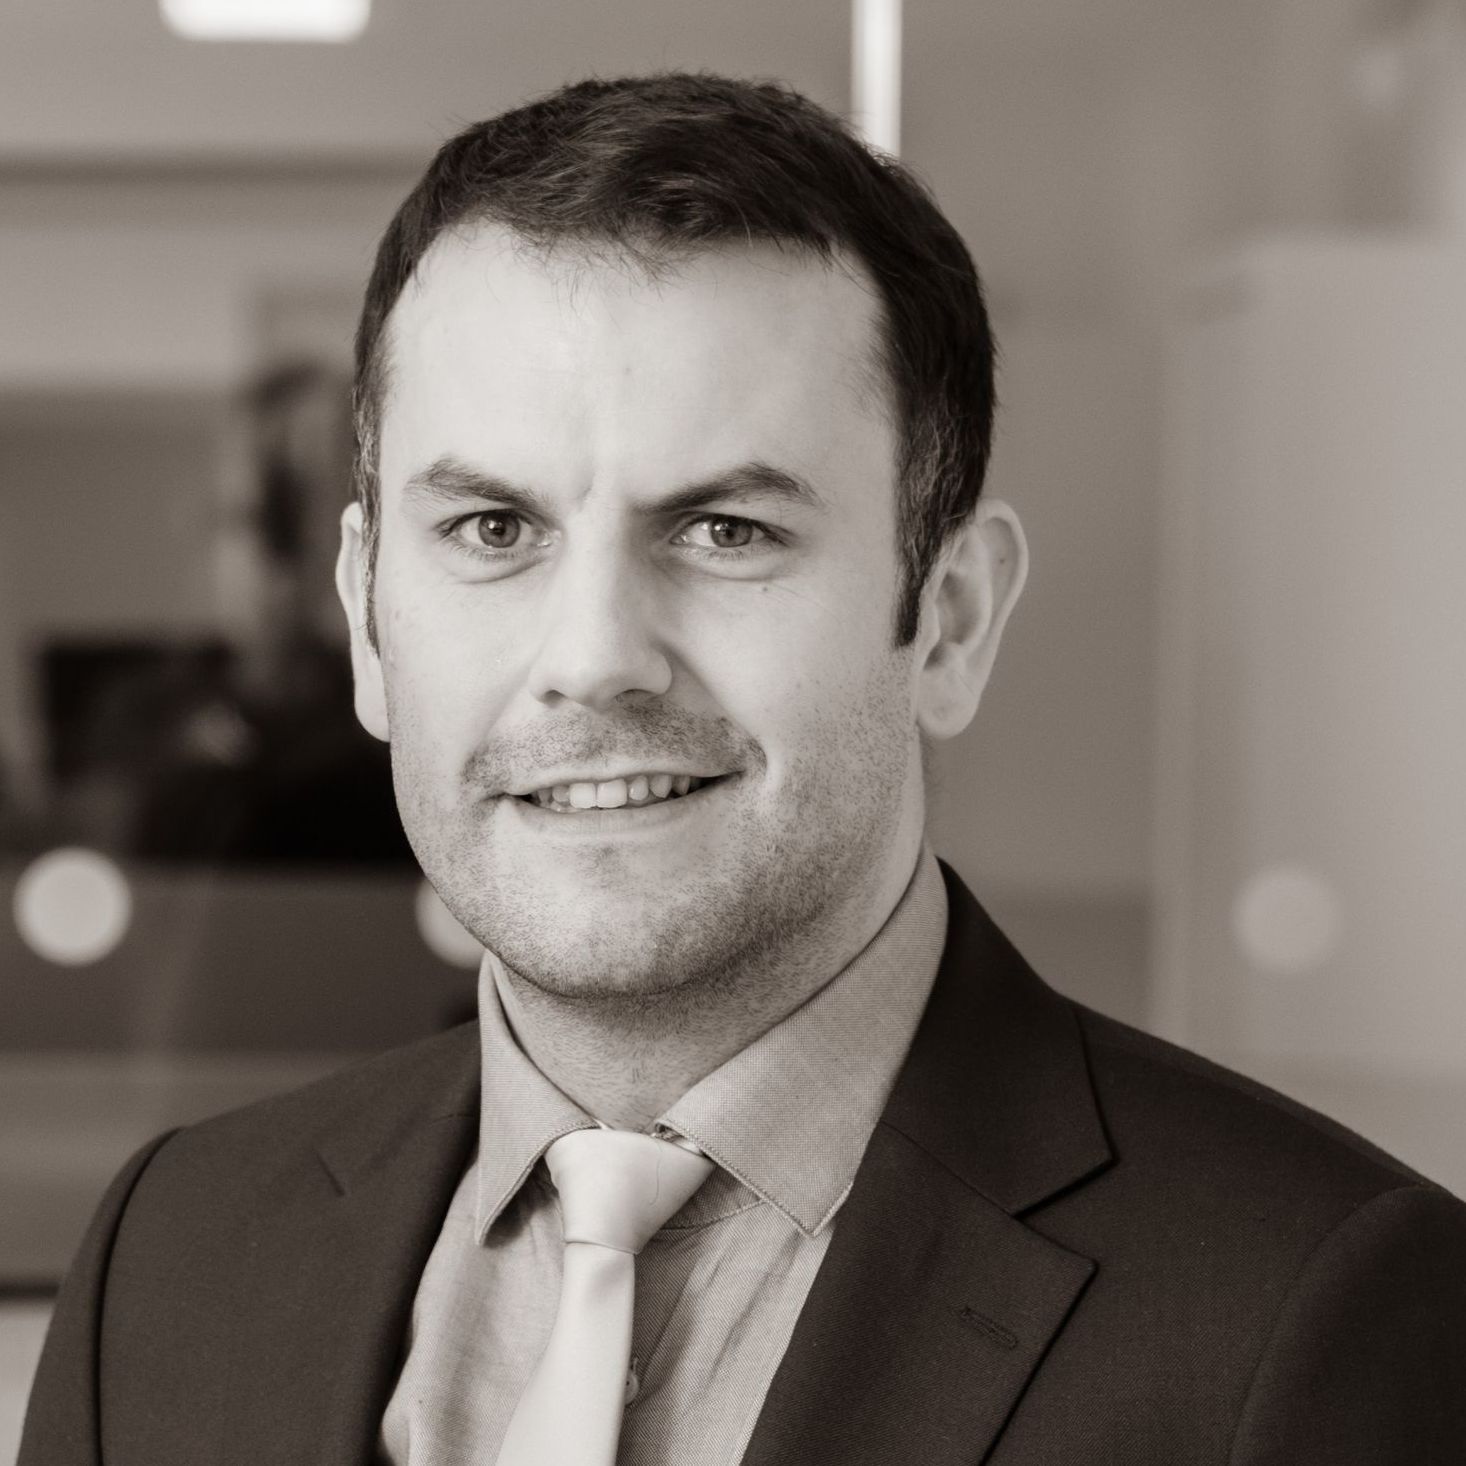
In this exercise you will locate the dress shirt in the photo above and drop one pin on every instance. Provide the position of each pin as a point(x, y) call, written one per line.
point(719, 1288)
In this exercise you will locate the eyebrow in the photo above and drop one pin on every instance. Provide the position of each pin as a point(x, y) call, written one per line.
point(448, 480)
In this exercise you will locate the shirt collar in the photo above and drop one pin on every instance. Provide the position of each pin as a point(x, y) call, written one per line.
point(520, 1111)
point(789, 1115)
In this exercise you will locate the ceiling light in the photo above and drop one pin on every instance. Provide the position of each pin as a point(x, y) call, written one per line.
point(266, 20)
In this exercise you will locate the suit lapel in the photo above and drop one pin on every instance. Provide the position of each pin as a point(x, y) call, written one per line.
point(333, 1267)
point(930, 1312)
point(935, 1302)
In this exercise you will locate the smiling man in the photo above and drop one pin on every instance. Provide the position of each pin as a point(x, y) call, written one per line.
point(668, 558)
point(633, 638)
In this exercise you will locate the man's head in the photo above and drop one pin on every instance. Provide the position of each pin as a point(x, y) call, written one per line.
point(658, 168)
point(674, 406)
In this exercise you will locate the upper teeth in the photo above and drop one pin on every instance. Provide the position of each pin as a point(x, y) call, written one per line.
point(613, 793)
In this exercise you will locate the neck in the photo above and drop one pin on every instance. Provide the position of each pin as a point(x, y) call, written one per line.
point(627, 1060)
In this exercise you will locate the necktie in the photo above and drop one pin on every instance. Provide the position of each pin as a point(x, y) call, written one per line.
point(616, 1190)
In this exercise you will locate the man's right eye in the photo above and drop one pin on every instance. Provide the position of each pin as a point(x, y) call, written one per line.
point(494, 535)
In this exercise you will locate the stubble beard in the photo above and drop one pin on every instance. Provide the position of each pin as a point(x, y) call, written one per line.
point(738, 924)
point(768, 907)
point(792, 874)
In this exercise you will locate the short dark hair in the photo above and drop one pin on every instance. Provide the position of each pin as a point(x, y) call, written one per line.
point(657, 167)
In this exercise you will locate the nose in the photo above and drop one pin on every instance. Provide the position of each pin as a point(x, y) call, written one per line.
point(597, 640)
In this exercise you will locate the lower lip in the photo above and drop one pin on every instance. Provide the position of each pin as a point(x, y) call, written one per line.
point(630, 819)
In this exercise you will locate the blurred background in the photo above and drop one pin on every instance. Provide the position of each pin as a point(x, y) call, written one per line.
point(1217, 787)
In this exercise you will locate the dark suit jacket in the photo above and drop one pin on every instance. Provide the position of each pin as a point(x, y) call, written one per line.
point(1067, 1242)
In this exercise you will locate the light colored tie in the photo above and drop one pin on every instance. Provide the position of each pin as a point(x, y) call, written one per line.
point(617, 1189)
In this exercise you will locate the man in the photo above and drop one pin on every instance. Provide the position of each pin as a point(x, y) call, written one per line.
point(668, 556)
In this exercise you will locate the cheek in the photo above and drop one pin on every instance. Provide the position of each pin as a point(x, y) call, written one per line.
point(808, 676)
point(447, 673)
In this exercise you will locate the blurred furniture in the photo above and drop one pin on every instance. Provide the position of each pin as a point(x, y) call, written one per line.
point(1310, 860)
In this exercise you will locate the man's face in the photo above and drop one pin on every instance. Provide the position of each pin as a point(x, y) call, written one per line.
point(636, 533)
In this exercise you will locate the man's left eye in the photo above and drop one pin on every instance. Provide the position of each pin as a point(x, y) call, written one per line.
point(497, 529)
point(722, 532)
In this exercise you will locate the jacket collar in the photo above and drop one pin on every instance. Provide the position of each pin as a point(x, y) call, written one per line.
point(996, 1087)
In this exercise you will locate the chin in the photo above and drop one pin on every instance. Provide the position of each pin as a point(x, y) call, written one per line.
point(602, 988)
point(577, 938)
point(592, 968)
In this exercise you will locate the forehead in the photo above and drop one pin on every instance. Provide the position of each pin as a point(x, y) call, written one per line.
point(579, 368)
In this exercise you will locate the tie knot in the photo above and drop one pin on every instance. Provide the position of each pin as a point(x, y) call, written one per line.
point(618, 1188)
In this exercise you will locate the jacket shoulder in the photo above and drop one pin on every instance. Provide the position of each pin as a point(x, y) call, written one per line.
point(370, 1099)
point(1169, 1107)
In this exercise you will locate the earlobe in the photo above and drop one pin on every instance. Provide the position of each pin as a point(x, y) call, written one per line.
point(965, 606)
point(366, 664)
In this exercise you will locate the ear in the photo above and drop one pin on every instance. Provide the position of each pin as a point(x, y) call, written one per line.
point(964, 608)
point(366, 662)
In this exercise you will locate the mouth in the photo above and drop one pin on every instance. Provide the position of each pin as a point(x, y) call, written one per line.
point(636, 791)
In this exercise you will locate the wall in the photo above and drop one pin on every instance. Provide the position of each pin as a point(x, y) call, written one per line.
point(1084, 165)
